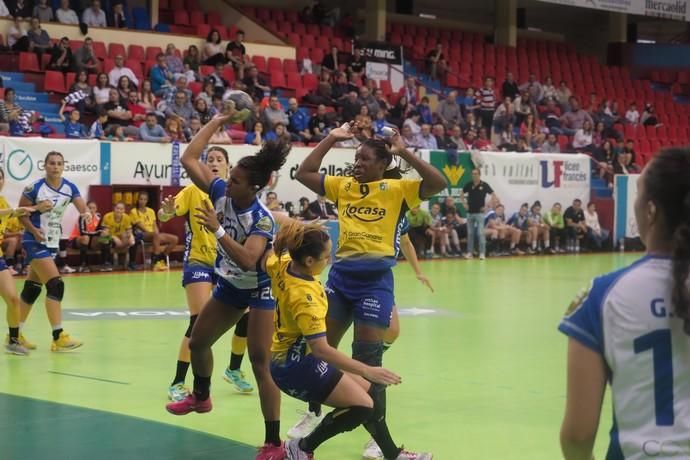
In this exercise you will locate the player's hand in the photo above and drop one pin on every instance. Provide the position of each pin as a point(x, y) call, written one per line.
point(425, 281)
point(43, 206)
point(382, 376)
point(342, 133)
point(207, 217)
point(22, 211)
point(39, 236)
point(168, 205)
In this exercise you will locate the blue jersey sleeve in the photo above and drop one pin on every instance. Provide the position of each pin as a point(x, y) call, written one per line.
point(31, 191)
point(263, 224)
point(74, 189)
point(404, 226)
point(216, 190)
point(582, 321)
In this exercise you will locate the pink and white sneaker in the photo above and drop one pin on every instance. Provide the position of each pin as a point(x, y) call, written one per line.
point(271, 452)
point(189, 404)
point(407, 455)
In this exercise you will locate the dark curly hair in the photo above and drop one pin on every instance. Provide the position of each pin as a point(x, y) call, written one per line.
point(261, 165)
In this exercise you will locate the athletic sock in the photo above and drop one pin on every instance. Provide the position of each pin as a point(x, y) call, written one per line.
point(334, 423)
point(547, 244)
point(82, 255)
point(534, 245)
point(377, 426)
point(181, 374)
point(10, 261)
point(272, 432)
point(315, 408)
point(202, 387)
point(105, 253)
point(56, 332)
point(14, 335)
point(235, 362)
point(133, 253)
point(21, 326)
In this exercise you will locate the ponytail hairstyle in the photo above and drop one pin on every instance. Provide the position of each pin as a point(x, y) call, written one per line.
point(54, 153)
point(667, 183)
point(301, 241)
point(260, 166)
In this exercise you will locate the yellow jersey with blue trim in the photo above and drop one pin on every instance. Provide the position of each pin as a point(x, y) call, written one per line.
point(199, 243)
point(143, 219)
point(4, 220)
point(301, 307)
point(369, 216)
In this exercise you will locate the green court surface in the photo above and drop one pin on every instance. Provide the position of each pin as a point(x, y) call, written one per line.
point(483, 370)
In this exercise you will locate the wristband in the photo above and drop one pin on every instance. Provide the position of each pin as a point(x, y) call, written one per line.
point(219, 233)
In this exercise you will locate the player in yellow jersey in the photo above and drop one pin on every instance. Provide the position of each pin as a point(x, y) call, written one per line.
point(198, 275)
point(14, 344)
point(116, 236)
point(146, 229)
point(370, 207)
point(12, 244)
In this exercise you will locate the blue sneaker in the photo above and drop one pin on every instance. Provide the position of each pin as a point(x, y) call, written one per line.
point(237, 379)
point(178, 392)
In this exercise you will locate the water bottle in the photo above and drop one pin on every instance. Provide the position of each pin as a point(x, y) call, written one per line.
point(621, 245)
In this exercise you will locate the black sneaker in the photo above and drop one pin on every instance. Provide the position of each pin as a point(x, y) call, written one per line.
point(131, 267)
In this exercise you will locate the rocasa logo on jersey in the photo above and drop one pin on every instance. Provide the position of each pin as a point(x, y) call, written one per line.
point(365, 213)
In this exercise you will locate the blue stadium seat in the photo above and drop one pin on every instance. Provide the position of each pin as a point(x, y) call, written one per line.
point(142, 21)
point(162, 28)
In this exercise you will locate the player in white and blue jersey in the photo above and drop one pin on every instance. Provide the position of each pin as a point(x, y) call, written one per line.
point(244, 228)
point(631, 328)
point(41, 241)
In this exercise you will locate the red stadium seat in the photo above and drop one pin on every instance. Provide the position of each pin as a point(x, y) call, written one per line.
point(177, 5)
point(70, 78)
point(136, 52)
point(293, 80)
point(309, 41)
point(202, 30)
point(309, 81)
point(228, 73)
point(135, 65)
point(651, 132)
point(54, 82)
point(197, 17)
point(274, 64)
point(386, 87)
point(108, 65)
point(28, 62)
point(99, 50)
point(181, 18)
point(152, 52)
point(115, 49)
point(195, 87)
point(290, 65)
point(205, 70)
point(260, 63)
point(278, 80)
point(317, 55)
point(213, 18)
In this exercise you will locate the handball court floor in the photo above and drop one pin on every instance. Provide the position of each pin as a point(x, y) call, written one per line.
point(483, 369)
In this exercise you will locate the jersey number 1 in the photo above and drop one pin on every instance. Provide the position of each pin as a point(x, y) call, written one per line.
point(659, 342)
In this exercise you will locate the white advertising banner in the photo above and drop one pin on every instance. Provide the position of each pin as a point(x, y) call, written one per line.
point(151, 164)
point(667, 9)
point(624, 193)
point(22, 160)
point(525, 178)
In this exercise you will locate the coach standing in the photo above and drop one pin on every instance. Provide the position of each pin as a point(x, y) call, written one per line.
point(474, 201)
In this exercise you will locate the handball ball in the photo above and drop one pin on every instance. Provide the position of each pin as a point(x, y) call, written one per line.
point(239, 102)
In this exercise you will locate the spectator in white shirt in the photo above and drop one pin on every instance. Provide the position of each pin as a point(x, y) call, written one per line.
point(94, 16)
point(582, 141)
point(66, 15)
point(597, 235)
point(413, 122)
point(120, 70)
point(426, 140)
point(632, 115)
point(410, 140)
point(4, 12)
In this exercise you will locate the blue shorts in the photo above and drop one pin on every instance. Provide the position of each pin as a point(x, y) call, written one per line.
point(366, 297)
point(36, 250)
point(309, 379)
point(3, 264)
point(259, 298)
point(198, 274)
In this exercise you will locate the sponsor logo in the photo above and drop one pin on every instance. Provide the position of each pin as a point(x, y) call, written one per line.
point(329, 170)
point(578, 301)
point(365, 213)
point(200, 276)
point(265, 224)
point(155, 171)
point(20, 165)
point(453, 174)
point(666, 449)
point(560, 173)
point(670, 9)
point(309, 298)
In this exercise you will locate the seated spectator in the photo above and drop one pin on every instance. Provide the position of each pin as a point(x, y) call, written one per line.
point(554, 219)
point(85, 59)
point(256, 85)
point(483, 142)
point(630, 149)
point(124, 86)
point(138, 111)
point(551, 144)
point(381, 99)
point(17, 39)
point(563, 95)
point(320, 124)
point(448, 110)
point(632, 116)
point(174, 129)
point(272, 202)
point(604, 158)
point(549, 90)
point(379, 123)
point(151, 131)
point(174, 63)
point(94, 16)
point(236, 54)
point(146, 97)
point(504, 116)
point(551, 116)
point(531, 131)
point(97, 130)
point(161, 78)
point(258, 136)
point(456, 138)
point(597, 236)
point(212, 52)
point(168, 97)
point(574, 119)
point(322, 209)
point(522, 145)
point(273, 114)
point(219, 82)
point(507, 139)
point(436, 63)
point(73, 129)
point(39, 40)
point(456, 227)
point(471, 139)
point(368, 99)
point(101, 91)
point(20, 9)
point(440, 233)
point(413, 120)
point(331, 61)
point(66, 15)
point(534, 88)
point(648, 117)
point(8, 108)
point(399, 112)
point(356, 65)
point(497, 230)
point(43, 11)
point(443, 141)
point(350, 106)
point(203, 112)
point(470, 103)
point(181, 109)
point(409, 138)
point(620, 165)
point(193, 59)
point(340, 87)
point(582, 141)
point(410, 91)
point(282, 134)
point(117, 18)
point(576, 227)
point(510, 87)
point(364, 123)
point(119, 71)
point(118, 113)
point(524, 105)
point(61, 58)
point(426, 140)
point(298, 125)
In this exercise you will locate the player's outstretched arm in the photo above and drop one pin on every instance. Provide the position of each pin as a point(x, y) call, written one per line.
point(308, 172)
point(199, 172)
point(432, 179)
point(410, 254)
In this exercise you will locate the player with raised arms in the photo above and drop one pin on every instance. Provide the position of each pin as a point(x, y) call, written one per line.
point(41, 240)
point(244, 229)
point(198, 276)
point(360, 282)
point(631, 328)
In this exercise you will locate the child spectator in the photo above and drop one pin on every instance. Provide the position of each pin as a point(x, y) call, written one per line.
point(73, 129)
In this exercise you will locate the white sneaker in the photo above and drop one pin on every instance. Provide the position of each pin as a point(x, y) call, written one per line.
point(305, 425)
point(293, 451)
point(482, 257)
point(372, 451)
point(67, 269)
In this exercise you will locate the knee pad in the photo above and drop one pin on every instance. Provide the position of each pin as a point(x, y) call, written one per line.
point(369, 353)
point(55, 289)
point(30, 292)
point(241, 326)
point(192, 320)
